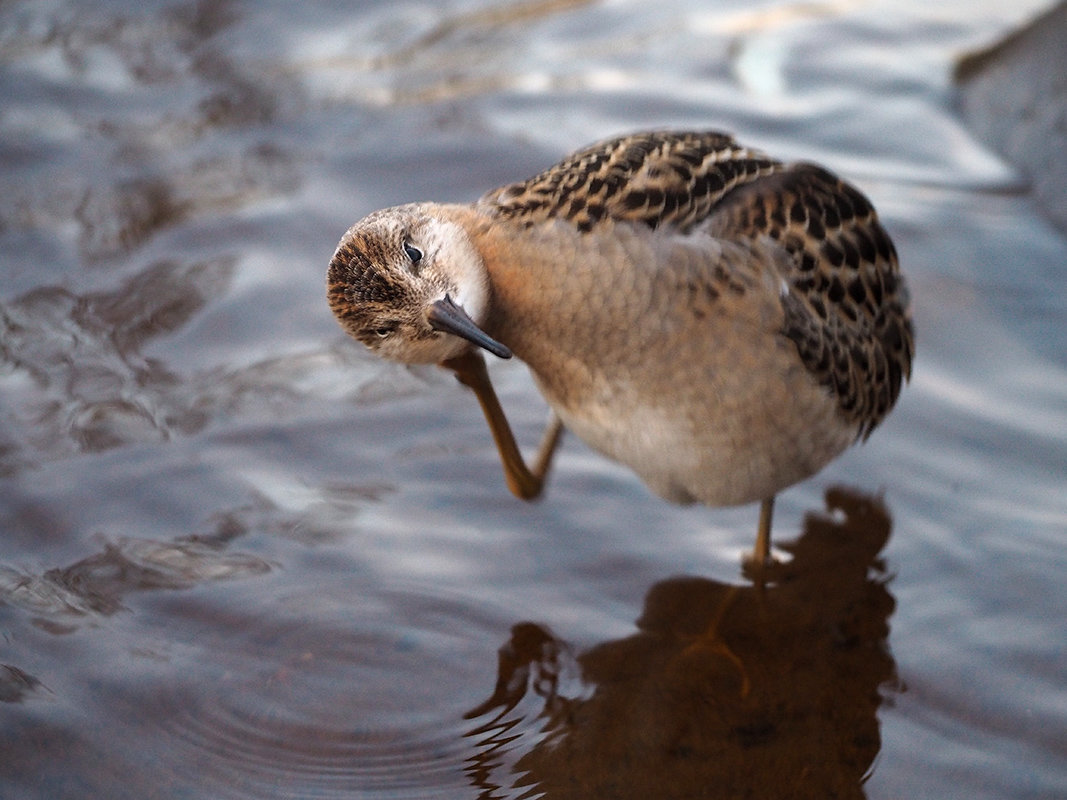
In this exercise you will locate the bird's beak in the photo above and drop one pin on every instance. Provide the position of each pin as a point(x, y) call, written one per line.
point(447, 317)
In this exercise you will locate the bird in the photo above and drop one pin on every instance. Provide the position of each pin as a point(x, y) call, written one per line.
point(721, 322)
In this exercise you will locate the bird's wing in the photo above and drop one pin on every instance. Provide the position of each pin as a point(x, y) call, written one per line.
point(845, 301)
point(658, 178)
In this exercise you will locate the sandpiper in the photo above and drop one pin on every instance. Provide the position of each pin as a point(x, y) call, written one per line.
point(721, 322)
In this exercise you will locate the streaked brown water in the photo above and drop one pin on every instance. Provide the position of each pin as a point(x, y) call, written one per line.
point(242, 559)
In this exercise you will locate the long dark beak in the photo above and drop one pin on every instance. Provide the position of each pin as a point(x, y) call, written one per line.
point(447, 317)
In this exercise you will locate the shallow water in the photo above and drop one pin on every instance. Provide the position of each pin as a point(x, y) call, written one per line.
point(242, 559)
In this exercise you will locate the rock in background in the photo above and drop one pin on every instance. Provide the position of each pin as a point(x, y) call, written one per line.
point(1014, 96)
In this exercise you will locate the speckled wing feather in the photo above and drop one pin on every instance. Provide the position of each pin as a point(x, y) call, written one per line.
point(658, 178)
point(847, 308)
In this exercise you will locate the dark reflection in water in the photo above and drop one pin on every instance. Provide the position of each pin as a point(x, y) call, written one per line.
point(15, 684)
point(89, 387)
point(63, 597)
point(725, 691)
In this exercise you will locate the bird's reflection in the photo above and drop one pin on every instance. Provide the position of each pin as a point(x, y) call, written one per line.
point(724, 691)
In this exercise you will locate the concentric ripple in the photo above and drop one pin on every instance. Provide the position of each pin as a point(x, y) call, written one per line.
point(241, 751)
point(309, 703)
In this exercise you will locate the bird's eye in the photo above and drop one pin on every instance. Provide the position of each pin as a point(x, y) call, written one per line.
point(382, 331)
point(414, 253)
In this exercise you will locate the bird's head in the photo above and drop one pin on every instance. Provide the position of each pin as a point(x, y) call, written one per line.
point(409, 284)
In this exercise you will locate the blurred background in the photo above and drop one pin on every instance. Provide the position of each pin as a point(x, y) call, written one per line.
point(240, 558)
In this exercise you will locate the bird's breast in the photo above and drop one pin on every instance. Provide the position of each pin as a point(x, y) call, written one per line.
point(664, 352)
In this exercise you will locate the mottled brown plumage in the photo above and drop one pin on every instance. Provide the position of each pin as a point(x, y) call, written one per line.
point(847, 311)
point(659, 179)
point(723, 323)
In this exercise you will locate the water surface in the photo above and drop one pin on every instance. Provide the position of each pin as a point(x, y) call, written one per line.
point(242, 559)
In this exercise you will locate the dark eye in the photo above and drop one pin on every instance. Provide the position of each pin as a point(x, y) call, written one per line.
point(414, 253)
point(382, 331)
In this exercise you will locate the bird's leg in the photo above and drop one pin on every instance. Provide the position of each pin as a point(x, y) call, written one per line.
point(762, 552)
point(755, 566)
point(523, 482)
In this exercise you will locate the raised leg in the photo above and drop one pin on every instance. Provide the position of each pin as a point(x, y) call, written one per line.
point(523, 482)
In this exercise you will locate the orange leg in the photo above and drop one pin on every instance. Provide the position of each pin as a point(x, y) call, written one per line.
point(762, 553)
point(755, 566)
point(524, 483)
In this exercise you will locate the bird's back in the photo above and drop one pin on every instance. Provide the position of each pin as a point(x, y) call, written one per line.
point(658, 179)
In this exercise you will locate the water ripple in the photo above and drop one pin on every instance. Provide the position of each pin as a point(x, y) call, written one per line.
point(95, 586)
point(256, 746)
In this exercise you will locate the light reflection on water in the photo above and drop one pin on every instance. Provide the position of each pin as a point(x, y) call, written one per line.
point(242, 559)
